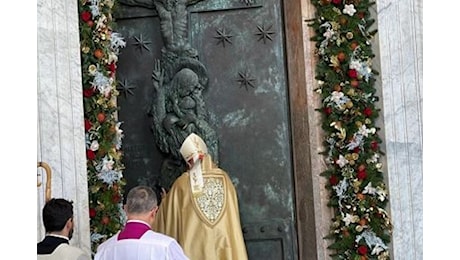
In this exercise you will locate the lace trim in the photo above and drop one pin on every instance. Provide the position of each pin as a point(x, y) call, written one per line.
point(211, 201)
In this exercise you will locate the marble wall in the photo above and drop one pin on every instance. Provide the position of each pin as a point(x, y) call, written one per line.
point(401, 58)
point(60, 133)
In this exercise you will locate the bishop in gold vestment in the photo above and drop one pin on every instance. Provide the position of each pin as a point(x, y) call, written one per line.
point(201, 209)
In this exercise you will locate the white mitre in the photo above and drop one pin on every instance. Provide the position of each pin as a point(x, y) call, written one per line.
point(193, 150)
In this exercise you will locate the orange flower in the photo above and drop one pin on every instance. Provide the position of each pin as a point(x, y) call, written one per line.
point(98, 53)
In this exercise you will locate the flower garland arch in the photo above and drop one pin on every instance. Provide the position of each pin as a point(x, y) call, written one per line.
point(100, 47)
point(361, 226)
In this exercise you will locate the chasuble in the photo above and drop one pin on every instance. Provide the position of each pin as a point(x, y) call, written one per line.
point(206, 223)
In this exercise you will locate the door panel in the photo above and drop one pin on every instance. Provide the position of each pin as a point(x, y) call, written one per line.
point(242, 46)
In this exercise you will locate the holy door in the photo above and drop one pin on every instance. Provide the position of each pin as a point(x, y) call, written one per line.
point(241, 45)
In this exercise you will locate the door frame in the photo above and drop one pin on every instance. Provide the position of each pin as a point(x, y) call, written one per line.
point(298, 100)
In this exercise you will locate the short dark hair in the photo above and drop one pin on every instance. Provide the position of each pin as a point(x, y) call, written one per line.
point(140, 199)
point(56, 213)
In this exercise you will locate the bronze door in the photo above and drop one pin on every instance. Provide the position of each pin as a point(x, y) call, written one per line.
point(242, 45)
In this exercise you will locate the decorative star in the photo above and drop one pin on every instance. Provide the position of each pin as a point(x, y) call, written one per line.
point(125, 88)
point(141, 43)
point(223, 37)
point(246, 80)
point(265, 33)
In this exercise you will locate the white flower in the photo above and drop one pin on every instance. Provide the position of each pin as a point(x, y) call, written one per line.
point(341, 161)
point(95, 237)
point(371, 240)
point(364, 131)
point(362, 68)
point(94, 9)
point(106, 91)
point(107, 164)
point(119, 135)
point(355, 142)
point(101, 22)
point(94, 145)
point(110, 177)
point(381, 193)
point(336, 96)
point(374, 158)
point(349, 9)
point(112, 57)
point(92, 69)
point(348, 219)
point(100, 81)
point(117, 42)
point(355, 64)
point(328, 33)
point(376, 250)
point(369, 189)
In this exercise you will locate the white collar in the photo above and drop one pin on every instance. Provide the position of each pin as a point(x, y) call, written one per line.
point(56, 235)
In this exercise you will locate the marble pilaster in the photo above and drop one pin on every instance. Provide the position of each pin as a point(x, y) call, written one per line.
point(61, 137)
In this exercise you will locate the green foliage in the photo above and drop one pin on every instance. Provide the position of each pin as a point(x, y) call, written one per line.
point(103, 132)
point(361, 227)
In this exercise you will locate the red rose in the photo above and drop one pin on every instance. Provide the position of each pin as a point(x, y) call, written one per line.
point(112, 67)
point(90, 155)
point(328, 110)
point(374, 145)
point(333, 180)
point(367, 111)
point(88, 92)
point(88, 125)
point(86, 16)
point(361, 175)
point(362, 250)
point(356, 150)
point(92, 213)
point(336, 2)
point(352, 73)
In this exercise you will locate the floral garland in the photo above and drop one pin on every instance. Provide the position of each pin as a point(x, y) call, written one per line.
point(361, 227)
point(99, 54)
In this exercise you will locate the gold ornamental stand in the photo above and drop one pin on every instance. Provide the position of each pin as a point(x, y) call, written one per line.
point(48, 180)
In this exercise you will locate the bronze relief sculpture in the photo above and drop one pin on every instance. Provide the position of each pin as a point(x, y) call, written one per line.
point(179, 79)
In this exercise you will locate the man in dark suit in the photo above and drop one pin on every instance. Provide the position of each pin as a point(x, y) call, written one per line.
point(58, 221)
